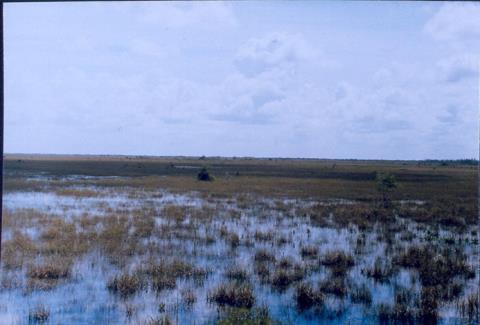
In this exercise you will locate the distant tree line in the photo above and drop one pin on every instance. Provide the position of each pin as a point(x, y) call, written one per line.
point(446, 162)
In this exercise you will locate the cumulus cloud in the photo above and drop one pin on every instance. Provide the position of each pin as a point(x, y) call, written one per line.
point(272, 51)
point(187, 78)
point(459, 67)
point(455, 21)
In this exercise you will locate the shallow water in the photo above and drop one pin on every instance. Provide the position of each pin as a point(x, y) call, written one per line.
point(85, 299)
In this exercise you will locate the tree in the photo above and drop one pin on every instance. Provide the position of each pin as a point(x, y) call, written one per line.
point(386, 184)
point(204, 175)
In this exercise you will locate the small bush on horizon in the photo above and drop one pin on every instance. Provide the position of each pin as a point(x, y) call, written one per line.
point(204, 175)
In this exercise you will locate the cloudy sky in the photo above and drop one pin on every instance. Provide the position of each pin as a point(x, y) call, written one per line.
point(290, 79)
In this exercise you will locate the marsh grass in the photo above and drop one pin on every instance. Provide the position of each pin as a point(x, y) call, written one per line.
point(282, 278)
point(362, 295)
point(437, 268)
point(429, 305)
point(233, 294)
point(307, 297)
point(161, 320)
point(266, 236)
point(251, 316)
point(188, 297)
point(338, 261)
point(52, 270)
point(263, 255)
point(125, 284)
point(381, 270)
point(17, 250)
point(334, 285)
point(39, 314)
point(160, 223)
point(237, 272)
point(469, 307)
point(309, 251)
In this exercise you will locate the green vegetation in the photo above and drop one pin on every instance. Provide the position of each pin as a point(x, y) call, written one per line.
point(204, 175)
point(386, 184)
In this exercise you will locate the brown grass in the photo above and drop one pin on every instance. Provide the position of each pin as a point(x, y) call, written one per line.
point(233, 294)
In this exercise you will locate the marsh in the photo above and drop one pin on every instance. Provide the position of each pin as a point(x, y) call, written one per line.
point(107, 246)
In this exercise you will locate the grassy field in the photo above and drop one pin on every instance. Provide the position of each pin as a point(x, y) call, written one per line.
point(140, 240)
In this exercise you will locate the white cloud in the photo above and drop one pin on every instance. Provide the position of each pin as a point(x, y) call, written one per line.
point(455, 21)
point(188, 78)
point(458, 68)
point(272, 51)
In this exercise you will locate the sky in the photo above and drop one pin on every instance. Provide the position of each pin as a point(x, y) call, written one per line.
point(363, 80)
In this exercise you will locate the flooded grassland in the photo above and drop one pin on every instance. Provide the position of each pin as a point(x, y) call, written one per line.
point(160, 249)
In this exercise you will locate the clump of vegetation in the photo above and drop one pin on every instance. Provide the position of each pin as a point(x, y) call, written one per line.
point(285, 262)
point(307, 297)
point(124, 284)
point(469, 308)
point(309, 251)
point(161, 320)
point(361, 295)
point(189, 297)
point(338, 261)
point(263, 270)
point(386, 184)
point(234, 240)
point(335, 286)
point(39, 314)
point(16, 250)
point(436, 267)
point(337, 258)
point(49, 271)
point(263, 255)
point(233, 294)
point(204, 175)
point(264, 235)
point(175, 268)
point(282, 278)
point(253, 316)
point(381, 271)
point(237, 272)
point(162, 282)
point(429, 305)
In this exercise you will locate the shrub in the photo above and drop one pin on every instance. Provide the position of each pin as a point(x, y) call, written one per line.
point(386, 184)
point(204, 175)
